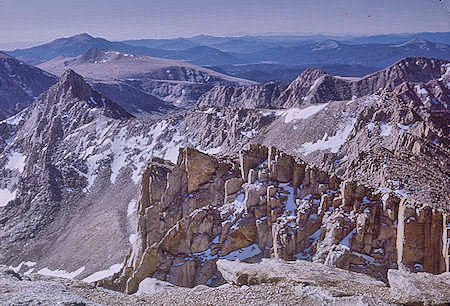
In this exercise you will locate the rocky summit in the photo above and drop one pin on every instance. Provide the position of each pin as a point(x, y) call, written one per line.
point(327, 190)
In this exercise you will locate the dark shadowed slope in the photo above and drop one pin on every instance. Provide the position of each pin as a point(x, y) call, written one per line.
point(20, 84)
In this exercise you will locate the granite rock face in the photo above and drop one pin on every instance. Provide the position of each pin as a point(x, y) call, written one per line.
point(419, 288)
point(317, 281)
point(194, 213)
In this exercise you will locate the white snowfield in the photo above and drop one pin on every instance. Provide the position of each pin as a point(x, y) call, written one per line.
point(6, 196)
point(16, 161)
point(61, 273)
point(295, 114)
point(103, 274)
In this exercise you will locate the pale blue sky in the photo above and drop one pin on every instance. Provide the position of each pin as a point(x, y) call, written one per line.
point(44, 20)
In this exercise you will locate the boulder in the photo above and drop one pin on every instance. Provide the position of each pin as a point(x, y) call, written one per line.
point(303, 274)
point(419, 288)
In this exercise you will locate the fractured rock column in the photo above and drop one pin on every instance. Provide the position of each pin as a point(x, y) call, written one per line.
point(446, 243)
point(400, 233)
point(420, 239)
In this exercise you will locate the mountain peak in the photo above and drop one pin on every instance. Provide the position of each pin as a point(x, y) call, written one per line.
point(82, 36)
point(72, 85)
point(73, 79)
point(311, 74)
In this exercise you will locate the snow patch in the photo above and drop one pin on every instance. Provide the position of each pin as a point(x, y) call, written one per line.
point(419, 90)
point(23, 263)
point(61, 273)
point(16, 161)
point(244, 253)
point(150, 286)
point(132, 238)
point(332, 143)
point(386, 129)
point(132, 207)
point(103, 274)
point(294, 114)
point(6, 196)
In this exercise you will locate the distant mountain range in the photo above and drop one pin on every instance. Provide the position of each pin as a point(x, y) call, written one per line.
point(269, 53)
point(145, 86)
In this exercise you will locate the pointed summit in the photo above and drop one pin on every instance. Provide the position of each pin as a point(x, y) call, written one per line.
point(72, 88)
point(309, 76)
point(72, 82)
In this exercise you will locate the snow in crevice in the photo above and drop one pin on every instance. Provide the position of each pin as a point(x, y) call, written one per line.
point(244, 253)
point(290, 205)
point(385, 129)
point(346, 240)
point(132, 207)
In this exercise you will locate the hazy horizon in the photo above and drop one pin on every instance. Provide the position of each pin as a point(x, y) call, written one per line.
point(22, 24)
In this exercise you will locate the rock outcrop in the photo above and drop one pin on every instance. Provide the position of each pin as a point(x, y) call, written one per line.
point(419, 288)
point(331, 284)
point(266, 203)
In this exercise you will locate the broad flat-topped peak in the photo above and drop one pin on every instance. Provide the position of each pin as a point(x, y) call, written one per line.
point(82, 36)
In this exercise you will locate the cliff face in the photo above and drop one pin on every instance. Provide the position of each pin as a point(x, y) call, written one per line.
point(266, 203)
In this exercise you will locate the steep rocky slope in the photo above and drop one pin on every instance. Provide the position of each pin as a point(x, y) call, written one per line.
point(314, 86)
point(149, 79)
point(20, 84)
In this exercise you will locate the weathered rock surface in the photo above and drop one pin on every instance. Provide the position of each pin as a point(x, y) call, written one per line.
point(187, 221)
point(331, 283)
point(419, 288)
point(16, 289)
point(36, 290)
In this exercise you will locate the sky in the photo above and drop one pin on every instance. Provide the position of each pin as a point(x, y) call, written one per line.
point(45, 20)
